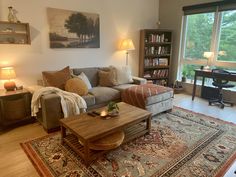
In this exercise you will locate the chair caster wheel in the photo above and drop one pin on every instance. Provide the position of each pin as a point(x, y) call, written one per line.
point(209, 103)
point(222, 106)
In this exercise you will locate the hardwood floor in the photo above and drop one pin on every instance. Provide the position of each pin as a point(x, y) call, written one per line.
point(15, 163)
point(13, 160)
point(201, 105)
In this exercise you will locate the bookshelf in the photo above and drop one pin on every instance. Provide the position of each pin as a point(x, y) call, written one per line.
point(155, 55)
point(14, 33)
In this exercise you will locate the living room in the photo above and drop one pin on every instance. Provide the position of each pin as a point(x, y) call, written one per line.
point(118, 20)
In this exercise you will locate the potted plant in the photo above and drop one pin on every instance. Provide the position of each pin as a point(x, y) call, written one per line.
point(184, 74)
point(112, 108)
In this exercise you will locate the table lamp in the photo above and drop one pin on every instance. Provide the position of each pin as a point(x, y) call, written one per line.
point(8, 73)
point(207, 55)
point(127, 44)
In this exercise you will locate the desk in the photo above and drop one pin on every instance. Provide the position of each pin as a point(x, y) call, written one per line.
point(208, 74)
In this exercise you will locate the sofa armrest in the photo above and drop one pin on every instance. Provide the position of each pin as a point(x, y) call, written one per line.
point(51, 111)
point(139, 80)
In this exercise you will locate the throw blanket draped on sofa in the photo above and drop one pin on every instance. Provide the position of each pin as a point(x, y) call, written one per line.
point(71, 103)
point(137, 95)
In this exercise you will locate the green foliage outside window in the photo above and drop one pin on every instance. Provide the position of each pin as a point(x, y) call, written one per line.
point(199, 36)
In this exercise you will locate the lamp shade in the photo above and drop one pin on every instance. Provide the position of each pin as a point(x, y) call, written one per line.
point(208, 54)
point(7, 73)
point(127, 44)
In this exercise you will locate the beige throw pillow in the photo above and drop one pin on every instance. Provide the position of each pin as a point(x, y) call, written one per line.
point(76, 85)
point(57, 78)
point(85, 79)
point(124, 75)
point(107, 78)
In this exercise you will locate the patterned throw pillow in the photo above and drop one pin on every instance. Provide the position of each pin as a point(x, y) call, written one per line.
point(107, 78)
point(57, 78)
point(76, 85)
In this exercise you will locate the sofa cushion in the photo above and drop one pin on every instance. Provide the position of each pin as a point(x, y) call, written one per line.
point(107, 78)
point(123, 86)
point(104, 94)
point(91, 73)
point(124, 75)
point(89, 99)
point(76, 85)
point(57, 78)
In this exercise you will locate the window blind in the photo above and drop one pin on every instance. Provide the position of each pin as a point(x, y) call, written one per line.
point(210, 7)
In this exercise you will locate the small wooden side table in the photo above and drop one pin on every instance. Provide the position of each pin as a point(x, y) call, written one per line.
point(15, 107)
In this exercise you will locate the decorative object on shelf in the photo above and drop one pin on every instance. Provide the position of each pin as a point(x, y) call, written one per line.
point(66, 33)
point(113, 108)
point(155, 55)
point(8, 73)
point(12, 15)
point(208, 56)
point(127, 44)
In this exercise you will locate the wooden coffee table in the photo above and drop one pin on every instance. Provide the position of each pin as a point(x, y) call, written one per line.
point(87, 129)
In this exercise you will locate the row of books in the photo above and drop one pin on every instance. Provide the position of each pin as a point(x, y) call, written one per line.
point(155, 62)
point(161, 50)
point(156, 38)
point(161, 73)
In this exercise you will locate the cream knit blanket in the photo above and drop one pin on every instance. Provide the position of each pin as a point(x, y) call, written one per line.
point(71, 103)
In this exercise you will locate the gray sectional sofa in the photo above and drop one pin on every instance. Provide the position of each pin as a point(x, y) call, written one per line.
point(51, 110)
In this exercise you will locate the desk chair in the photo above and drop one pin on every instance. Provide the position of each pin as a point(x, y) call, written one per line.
point(220, 84)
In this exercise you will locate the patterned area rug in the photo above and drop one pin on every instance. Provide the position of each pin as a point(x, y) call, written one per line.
point(181, 144)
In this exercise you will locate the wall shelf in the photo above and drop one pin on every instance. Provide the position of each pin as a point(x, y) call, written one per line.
point(14, 33)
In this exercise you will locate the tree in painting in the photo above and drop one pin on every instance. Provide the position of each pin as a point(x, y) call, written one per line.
point(85, 28)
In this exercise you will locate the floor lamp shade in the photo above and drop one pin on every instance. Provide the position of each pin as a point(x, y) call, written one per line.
point(127, 44)
point(8, 73)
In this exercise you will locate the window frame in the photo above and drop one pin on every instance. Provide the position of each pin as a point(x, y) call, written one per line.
point(214, 46)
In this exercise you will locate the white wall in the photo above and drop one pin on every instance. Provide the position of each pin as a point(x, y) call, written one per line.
point(170, 15)
point(118, 19)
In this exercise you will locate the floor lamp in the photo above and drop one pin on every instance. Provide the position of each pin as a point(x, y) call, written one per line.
point(127, 44)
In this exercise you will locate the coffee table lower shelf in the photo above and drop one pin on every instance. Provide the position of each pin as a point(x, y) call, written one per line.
point(130, 133)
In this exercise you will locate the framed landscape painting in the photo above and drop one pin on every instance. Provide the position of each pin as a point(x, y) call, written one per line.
point(71, 29)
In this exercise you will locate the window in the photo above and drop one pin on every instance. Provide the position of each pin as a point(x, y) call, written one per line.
point(199, 28)
point(210, 29)
point(227, 44)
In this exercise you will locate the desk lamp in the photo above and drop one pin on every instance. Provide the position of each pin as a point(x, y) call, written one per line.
point(8, 73)
point(127, 44)
point(207, 55)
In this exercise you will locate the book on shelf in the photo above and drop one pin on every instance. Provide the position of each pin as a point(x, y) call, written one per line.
point(161, 50)
point(151, 62)
point(163, 61)
point(156, 38)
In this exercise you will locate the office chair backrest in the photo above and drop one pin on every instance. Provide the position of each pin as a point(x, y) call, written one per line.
point(220, 80)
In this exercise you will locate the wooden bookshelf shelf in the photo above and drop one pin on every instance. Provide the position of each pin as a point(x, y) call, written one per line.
point(14, 33)
point(155, 55)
